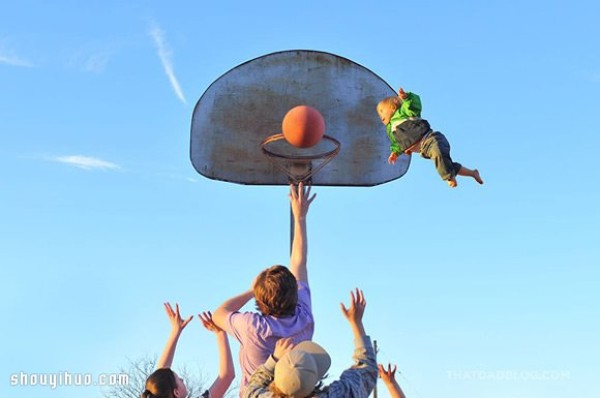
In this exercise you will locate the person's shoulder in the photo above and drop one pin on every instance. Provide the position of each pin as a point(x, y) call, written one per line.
point(251, 327)
point(250, 319)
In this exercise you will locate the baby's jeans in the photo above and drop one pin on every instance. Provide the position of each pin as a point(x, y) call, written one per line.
point(436, 147)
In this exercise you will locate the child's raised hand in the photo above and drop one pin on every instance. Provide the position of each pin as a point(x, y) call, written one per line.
point(402, 94)
point(207, 322)
point(387, 375)
point(357, 306)
point(300, 199)
point(177, 324)
point(392, 158)
point(389, 378)
point(282, 347)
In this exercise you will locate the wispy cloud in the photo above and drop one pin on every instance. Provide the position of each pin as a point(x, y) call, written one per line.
point(10, 58)
point(164, 53)
point(96, 63)
point(86, 162)
point(178, 177)
point(92, 58)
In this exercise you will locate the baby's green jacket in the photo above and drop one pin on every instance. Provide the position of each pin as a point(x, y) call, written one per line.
point(411, 107)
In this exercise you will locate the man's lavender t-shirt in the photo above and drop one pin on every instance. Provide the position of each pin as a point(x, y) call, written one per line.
point(258, 334)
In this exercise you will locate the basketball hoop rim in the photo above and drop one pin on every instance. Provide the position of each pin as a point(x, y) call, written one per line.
point(279, 136)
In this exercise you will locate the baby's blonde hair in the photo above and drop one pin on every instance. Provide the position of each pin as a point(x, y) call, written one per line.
point(394, 101)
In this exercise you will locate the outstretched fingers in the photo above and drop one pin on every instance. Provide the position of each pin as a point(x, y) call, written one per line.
point(175, 317)
point(293, 192)
point(300, 198)
point(388, 373)
point(305, 190)
point(357, 305)
point(183, 322)
point(169, 310)
point(357, 298)
point(360, 298)
point(206, 319)
point(301, 193)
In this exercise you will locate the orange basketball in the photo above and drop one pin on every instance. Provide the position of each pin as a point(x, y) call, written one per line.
point(303, 126)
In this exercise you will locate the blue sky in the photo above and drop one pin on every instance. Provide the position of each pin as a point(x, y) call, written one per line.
point(482, 291)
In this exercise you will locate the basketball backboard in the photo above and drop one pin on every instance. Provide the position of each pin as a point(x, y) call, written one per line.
point(247, 104)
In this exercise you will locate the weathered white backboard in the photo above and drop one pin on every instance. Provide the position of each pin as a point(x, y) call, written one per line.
point(247, 104)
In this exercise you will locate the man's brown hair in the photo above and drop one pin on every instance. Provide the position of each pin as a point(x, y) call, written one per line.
point(276, 292)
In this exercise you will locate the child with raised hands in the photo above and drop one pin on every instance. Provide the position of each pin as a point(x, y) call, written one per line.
point(165, 383)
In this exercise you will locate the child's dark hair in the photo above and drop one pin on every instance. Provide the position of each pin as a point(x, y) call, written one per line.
point(276, 292)
point(160, 384)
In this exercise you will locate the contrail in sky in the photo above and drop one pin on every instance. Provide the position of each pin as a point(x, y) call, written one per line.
point(164, 53)
point(86, 162)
